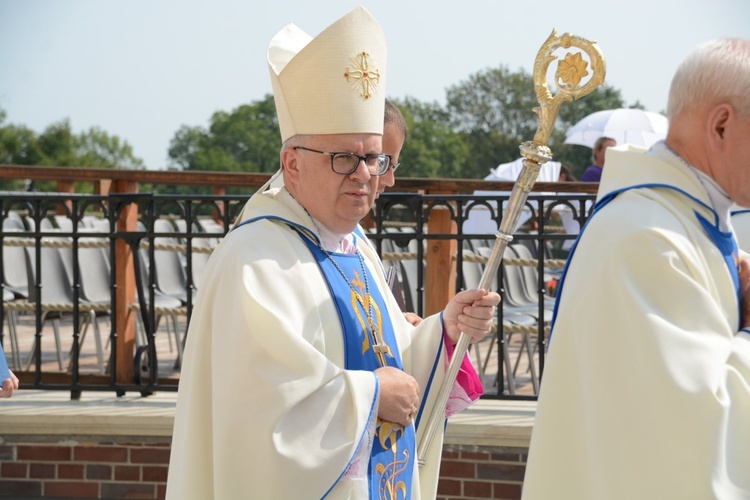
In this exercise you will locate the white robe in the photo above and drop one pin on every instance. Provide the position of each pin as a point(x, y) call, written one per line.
point(646, 389)
point(741, 224)
point(265, 408)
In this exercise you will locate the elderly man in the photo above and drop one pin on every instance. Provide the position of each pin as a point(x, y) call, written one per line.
point(646, 391)
point(301, 377)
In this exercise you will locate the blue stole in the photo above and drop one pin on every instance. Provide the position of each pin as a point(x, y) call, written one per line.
point(391, 466)
point(724, 241)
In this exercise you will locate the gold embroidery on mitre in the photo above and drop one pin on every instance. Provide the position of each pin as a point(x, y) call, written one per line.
point(362, 75)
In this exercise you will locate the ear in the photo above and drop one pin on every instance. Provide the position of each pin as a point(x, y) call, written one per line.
point(719, 118)
point(290, 164)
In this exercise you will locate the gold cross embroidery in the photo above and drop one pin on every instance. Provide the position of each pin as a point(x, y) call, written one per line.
point(362, 75)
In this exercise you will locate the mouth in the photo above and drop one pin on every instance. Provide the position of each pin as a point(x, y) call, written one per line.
point(358, 194)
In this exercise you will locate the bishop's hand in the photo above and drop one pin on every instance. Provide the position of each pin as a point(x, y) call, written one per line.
point(471, 312)
point(399, 396)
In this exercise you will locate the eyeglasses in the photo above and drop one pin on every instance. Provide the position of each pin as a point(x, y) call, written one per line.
point(393, 166)
point(347, 163)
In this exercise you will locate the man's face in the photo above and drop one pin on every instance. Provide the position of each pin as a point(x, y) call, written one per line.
point(338, 201)
point(393, 141)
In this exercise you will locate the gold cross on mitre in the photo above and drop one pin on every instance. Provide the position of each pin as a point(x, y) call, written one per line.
point(361, 75)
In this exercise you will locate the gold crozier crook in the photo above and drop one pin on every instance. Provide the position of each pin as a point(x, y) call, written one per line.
point(570, 72)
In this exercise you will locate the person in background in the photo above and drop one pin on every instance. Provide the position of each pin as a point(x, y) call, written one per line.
point(8, 378)
point(394, 137)
point(301, 377)
point(646, 388)
point(594, 172)
point(566, 175)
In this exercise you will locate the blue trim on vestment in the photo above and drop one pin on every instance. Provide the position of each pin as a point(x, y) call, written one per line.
point(727, 245)
point(430, 379)
point(295, 225)
point(361, 438)
point(601, 203)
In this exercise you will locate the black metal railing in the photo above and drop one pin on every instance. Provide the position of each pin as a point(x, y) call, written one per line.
point(151, 250)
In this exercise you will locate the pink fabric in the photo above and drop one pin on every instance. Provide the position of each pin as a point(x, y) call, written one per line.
point(347, 245)
point(468, 387)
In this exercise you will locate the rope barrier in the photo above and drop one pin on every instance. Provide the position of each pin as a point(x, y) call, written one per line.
point(55, 242)
point(161, 310)
point(513, 328)
point(472, 257)
point(26, 306)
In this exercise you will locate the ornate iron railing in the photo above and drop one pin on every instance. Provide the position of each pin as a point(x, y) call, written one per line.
point(135, 233)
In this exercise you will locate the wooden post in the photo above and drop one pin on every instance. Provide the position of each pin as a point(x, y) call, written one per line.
point(125, 276)
point(220, 191)
point(65, 186)
point(103, 186)
point(440, 278)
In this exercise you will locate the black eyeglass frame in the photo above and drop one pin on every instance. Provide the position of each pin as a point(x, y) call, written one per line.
point(360, 159)
point(392, 165)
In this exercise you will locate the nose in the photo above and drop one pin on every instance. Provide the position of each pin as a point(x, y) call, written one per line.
point(388, 179)
point(362, 172)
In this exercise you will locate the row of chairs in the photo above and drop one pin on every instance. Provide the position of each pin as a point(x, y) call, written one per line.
point(523, 310)
point(521, 302)
point(94, 277)
point(55, 293)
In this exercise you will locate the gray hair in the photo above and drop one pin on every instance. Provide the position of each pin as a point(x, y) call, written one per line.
point(715, 72)
point(295, 140)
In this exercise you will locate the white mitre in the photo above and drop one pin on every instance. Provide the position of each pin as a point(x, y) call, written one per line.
point(333, 83)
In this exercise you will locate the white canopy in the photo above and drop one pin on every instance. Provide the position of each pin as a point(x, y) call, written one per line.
point(479, 220)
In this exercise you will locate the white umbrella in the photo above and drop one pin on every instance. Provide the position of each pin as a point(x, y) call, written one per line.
point(626, 126)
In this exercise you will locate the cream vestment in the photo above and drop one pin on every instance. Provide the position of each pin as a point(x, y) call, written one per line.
point(265, 407)
point(646, 390)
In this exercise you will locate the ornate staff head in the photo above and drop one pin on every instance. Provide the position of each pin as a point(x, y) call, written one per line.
point(571, 72)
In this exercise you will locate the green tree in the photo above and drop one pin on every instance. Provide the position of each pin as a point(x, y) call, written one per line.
point(491, 111)
point(18, 146)
point(96, 148)
point(59, 146)
point(245, 140)
point(494, 100)
point(433, 149)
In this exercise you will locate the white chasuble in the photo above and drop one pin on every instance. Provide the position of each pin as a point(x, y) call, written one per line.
point(267, 406)
point(646, 389)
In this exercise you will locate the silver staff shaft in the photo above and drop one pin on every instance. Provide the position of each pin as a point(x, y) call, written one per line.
point(504, 236)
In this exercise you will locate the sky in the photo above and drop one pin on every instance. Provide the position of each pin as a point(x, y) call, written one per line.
point(141, 69)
